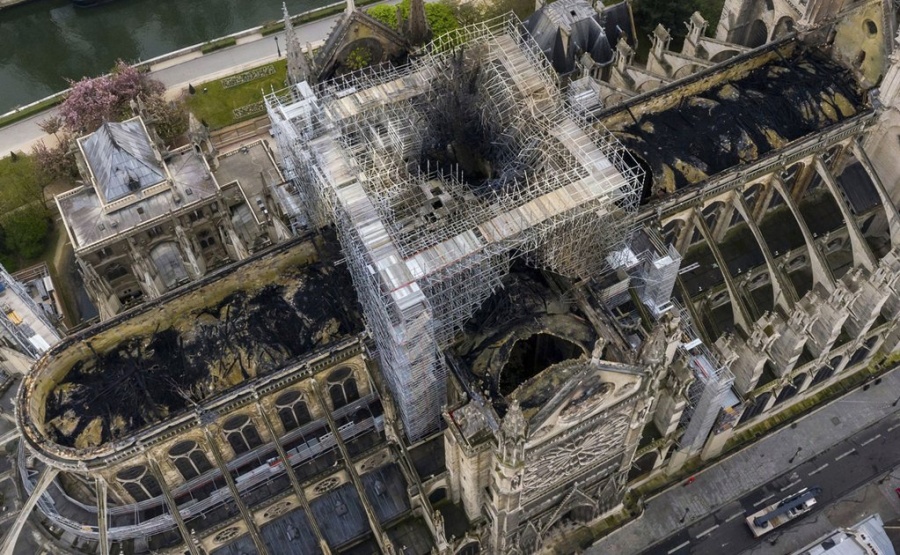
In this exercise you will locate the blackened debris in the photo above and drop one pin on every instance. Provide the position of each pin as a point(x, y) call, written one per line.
point(740, 121)
point(249, 333)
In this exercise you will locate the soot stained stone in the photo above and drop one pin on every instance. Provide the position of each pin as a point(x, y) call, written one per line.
point(248, 333)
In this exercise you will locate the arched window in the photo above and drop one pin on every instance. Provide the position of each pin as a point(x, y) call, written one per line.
point(241, 434)
point(822, 374)
point(790, 390)
point(342, 387)
point(756, 408)
point(189, 459)
point(115, 271)
point(139, 483)
point(292, 410)
point(860, 354)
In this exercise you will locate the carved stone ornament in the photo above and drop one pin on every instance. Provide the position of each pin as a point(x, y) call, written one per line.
point(327, 485)
point(227, 534)
point(373, 462)
point(278, 509)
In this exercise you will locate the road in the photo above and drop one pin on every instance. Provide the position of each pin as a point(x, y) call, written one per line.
point(839, 470)
point(176, 74)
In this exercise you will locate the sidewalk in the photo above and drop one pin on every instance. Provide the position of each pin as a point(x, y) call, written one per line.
point(753, 467)
point(176, 74)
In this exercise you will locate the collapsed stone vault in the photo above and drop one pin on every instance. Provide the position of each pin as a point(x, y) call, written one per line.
point(426, 241)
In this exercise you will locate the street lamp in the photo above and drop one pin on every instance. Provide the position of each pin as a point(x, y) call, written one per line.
point(278, 47)
point(684, 516)
point(794, 456)
point(897, 400)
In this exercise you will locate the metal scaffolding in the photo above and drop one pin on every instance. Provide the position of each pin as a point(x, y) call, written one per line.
point(656, 272)
point(425, 247)
point(708, 394)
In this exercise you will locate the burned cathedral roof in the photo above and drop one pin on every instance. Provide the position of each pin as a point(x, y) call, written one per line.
point(175, 354)
point(737, 118)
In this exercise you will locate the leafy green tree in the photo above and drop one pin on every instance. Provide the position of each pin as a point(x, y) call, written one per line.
point(20, 183)
point(171, 118)
point(27, 229)
point(358, 58)
point(441, 16)
point(384, 13)
point(672, 15)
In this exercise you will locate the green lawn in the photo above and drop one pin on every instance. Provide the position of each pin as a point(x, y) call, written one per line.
point(217, 105)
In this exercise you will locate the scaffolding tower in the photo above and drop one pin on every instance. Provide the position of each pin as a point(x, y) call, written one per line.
point(709, 392)
point(425, 247)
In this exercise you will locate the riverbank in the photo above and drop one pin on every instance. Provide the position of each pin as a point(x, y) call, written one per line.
point(180, 56)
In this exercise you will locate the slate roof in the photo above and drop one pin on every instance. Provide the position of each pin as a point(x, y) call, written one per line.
point(566, 29)
point(122, 159)
point(290, 533)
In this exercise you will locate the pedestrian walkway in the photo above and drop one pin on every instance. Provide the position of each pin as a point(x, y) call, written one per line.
point(753, 467)
point(176, 74)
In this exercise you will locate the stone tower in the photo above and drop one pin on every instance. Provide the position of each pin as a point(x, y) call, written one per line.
point(417, 29)
point(506, 482)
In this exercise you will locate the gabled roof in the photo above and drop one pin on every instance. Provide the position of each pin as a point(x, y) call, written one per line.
point(327, 58)
point(122, 159)
point(566, 29)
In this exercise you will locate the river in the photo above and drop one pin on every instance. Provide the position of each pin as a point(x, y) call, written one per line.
point(45, 42)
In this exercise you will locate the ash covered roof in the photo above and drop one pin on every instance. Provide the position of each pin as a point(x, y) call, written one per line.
point(198, 344)
point(741, 120)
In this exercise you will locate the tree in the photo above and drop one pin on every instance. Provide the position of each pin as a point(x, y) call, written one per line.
point(19, 183)
point(170, 118)
point(384, 13)
point(91, 101)
point(358, 58)
point(26, 230)
point(441, 16)
point(53, 163)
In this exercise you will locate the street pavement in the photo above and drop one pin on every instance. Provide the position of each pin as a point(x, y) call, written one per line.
point(838, 447)
point(176, 74)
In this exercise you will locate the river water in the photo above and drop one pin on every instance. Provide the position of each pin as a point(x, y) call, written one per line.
point(44, 42)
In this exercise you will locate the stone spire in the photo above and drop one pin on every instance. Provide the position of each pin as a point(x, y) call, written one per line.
point(351, 7)
point(417, 30)
point(298, 67)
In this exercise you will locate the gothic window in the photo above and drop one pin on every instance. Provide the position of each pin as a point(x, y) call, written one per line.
point(241, 434)
point(292, 410)
point(104, 253)
point(154, 232)
point(342, 387)
point(115, 271)
point(206, 239)
point(822, 374)
point(790, 390)
point(756, 408)
point(139, 483)
point(189, 459)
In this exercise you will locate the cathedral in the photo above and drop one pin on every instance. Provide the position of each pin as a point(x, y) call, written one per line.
point(491, 285)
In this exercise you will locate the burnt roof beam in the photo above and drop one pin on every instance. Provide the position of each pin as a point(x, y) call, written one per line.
point(821, 273)
point(862, 254)
point(782, 289)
